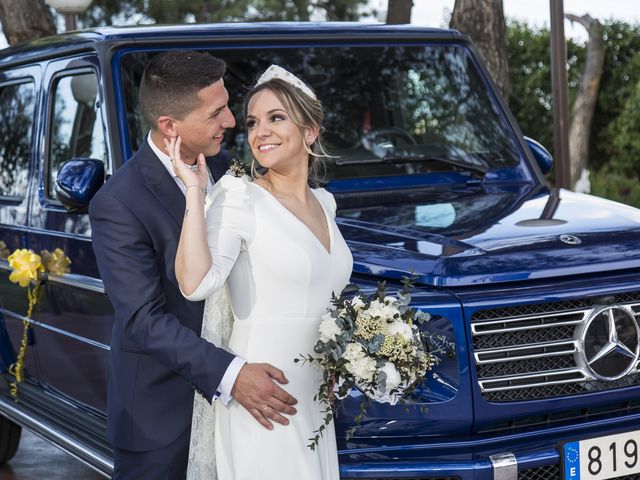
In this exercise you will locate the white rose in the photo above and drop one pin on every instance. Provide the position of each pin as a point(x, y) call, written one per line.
point(353, 352)
point(401, 328)
point(393, 377)
point(390, 300)
point(359, 365)
point(357, 303)
point(362, 368)
point(328, 328)
point(390, 311)
point(376, 309)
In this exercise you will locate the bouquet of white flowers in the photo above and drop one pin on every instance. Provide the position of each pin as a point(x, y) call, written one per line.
point(372, 343)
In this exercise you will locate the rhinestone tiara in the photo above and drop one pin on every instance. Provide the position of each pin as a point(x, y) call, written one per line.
point(274, 71)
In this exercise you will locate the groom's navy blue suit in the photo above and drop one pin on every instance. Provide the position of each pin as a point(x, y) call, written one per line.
point(157, 357)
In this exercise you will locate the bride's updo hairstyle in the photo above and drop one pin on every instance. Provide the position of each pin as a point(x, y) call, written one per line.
point(305, 111)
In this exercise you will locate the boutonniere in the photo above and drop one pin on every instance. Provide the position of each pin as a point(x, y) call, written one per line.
point(237, 169)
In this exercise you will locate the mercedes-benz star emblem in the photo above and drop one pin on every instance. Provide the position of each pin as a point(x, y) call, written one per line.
point(610, 343)
point(570, 239)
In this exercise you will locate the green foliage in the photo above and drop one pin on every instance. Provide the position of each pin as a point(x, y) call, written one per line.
point(113, 12)
point(530, 78)
point(619, 80)
point(614, 151)
point(615, 186)
point(625, 135)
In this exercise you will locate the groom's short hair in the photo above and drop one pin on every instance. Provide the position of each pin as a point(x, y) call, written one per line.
point(171, 82)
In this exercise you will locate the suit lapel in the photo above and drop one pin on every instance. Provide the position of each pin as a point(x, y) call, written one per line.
point(164, 187)
point(160, 183)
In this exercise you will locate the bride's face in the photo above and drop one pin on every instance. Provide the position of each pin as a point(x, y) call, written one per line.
point(275, 140)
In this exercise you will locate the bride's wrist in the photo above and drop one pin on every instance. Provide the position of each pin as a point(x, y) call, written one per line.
point(195, 185)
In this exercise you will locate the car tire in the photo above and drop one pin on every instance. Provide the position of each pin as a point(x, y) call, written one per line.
point(9, 439)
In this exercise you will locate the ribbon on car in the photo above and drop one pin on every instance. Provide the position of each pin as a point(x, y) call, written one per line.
point(30, 271)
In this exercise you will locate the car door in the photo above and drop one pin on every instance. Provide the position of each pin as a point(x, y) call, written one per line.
point(75, 318)
point(19, 88)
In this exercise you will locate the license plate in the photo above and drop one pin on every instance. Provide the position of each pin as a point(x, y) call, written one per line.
point(602, 458)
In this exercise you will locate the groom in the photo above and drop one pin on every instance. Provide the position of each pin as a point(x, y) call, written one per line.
point(157, 357)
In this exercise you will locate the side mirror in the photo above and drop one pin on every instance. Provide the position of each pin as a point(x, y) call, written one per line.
point(77, 182)
point(541, 154)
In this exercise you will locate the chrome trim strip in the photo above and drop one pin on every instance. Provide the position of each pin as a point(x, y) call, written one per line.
point(571, 345)
point(508, 320)
point(545, 383)
point(20, 318)
point(543, 379)
point(505, 466)
point(78, 281)
point(98, 462)
point(82, 282)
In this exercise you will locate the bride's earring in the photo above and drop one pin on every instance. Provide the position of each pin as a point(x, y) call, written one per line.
point(307, 145)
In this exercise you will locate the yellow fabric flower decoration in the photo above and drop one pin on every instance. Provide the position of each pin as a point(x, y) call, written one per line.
point(56, 262)
point(4, 251)
point(26, 267)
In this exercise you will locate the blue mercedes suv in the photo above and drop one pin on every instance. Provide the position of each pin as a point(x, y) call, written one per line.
point(535, 291)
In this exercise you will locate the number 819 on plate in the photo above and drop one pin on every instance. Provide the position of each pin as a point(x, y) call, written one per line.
point(602, 458)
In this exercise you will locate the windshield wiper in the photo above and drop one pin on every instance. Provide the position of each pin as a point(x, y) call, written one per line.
point(394, 158)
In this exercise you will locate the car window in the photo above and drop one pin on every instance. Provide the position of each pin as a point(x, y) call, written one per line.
point(389, 110)
point(77, 129)
point(17, 102)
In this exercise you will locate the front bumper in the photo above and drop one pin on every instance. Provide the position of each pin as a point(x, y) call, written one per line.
point(533, 455)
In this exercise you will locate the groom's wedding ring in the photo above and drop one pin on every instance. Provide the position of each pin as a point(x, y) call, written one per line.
point(265, 408)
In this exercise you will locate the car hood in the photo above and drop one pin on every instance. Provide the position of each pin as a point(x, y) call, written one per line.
point(500, 235)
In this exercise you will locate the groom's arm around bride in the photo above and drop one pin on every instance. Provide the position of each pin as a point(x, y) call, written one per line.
point(157, 356)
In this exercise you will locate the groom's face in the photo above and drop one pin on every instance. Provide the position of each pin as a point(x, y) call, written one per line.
point(202, 130)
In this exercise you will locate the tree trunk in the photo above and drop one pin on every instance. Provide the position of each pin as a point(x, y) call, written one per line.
point(399, 11)
point(483, 21)
point(302, 8)
point(25, 20)
point(585, 103)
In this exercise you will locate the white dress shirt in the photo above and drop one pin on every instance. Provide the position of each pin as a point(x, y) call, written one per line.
point(229, 378)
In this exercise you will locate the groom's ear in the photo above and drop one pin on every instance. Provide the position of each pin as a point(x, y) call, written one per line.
point(167, 126)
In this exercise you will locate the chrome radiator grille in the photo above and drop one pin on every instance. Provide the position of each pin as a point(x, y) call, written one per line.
point(532, 351)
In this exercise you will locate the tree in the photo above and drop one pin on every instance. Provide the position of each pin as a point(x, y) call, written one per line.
point(530, 79)
point(618, 83)
point(626, 138)
point(113, 12)
point(585, 102)
point(614, 150)
point(26, 20)
point(483, 21)
point(399, 11)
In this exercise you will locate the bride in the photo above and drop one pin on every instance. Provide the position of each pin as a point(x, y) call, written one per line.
point(275, 243)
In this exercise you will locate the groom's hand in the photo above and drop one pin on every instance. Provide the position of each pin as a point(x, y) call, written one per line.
point(256, 391)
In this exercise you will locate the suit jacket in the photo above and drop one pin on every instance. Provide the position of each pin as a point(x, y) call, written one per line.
point(157, 357)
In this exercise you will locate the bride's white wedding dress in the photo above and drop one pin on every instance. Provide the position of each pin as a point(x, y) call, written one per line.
point(279, 280)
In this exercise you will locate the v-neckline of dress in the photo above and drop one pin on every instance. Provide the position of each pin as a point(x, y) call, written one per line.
point(306, 227)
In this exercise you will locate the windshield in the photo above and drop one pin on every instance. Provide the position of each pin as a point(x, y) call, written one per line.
point(389, 110)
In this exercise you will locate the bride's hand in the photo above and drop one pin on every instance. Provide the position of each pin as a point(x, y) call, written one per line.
point(184, 172)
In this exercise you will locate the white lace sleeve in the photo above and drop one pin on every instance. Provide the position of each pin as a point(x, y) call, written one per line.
point(216, 328)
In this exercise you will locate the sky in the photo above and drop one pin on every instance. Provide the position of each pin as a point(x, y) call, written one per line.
point(436, 13)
